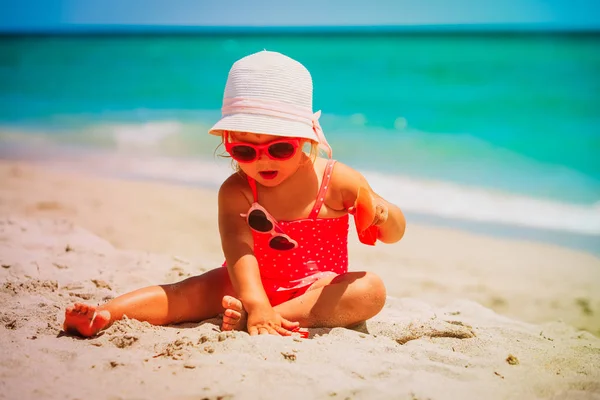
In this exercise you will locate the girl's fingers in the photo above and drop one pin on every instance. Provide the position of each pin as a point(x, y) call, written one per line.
point(381, 214)
point(288, 325)
point(283, 332)
point(263, 331)
point(273, 332)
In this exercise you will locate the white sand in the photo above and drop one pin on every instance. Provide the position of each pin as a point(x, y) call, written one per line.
point(66, 238)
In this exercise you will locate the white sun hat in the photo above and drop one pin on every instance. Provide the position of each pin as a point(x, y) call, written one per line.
point(270, 93)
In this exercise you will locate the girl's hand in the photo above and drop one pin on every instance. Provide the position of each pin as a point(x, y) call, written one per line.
point(381, 214)
point(368, 210)
point(266, 321)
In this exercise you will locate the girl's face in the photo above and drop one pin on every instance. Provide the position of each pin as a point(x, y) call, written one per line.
point(267, 171)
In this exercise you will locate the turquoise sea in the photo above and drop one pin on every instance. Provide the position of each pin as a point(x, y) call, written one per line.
point(471, 128)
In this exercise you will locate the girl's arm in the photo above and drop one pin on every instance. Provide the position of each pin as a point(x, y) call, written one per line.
point(389, 217)
point(237, 244)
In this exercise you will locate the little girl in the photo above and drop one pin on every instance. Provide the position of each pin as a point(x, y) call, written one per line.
point(283, 221)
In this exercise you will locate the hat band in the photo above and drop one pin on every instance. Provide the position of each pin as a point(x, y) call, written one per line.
point(241, 105)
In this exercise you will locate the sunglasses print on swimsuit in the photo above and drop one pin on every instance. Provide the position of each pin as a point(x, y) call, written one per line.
point(279, 150)
point(260, 220)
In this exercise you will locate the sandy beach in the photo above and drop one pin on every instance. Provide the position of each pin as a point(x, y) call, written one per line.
point(468, 316)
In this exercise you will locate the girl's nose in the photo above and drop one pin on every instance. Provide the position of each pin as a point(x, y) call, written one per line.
point(262, 155)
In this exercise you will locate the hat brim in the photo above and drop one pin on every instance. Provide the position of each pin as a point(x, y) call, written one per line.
point(263, 124)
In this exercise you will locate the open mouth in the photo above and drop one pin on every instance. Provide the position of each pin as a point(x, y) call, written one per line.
point(268, 174)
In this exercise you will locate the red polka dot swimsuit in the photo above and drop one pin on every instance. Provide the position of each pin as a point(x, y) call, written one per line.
point(322, 250)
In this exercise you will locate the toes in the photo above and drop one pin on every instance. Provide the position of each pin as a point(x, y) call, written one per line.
point(229, 326)
point(225, 301)
point(80, 309)
point(85, 320)
point(231, 318)
point(77, 310)
point(89, 311)
point(74, 309)
point(230, 321)
point(232, 314)
point(230, 302)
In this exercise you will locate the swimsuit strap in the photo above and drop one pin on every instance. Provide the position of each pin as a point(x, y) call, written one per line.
point(322, 190)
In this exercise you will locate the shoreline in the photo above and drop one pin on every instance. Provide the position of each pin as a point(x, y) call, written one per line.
point(143, 167)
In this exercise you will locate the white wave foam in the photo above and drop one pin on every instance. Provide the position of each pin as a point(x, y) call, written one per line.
point(120, 136)
point(440, 199)
point(187, 171)
point(449, 200)
point(137, 135)
point(436, 198)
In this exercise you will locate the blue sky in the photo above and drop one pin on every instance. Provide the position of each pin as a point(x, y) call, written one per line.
point(52, 14)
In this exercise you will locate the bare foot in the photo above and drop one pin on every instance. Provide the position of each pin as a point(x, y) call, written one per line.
point(234, 317)
point(85, 320)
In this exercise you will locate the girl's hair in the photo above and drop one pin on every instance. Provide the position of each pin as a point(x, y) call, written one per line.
point(312, 153)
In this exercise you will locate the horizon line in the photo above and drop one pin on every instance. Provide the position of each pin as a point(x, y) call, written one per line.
point(297, 29)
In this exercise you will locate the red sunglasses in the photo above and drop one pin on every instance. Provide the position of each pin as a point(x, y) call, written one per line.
point(260, 220)
point(279, 150)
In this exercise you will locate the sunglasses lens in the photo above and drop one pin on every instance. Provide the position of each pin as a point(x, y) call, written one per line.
point(243, 153)
point(259, 221)
point(282, 150)
point(281, 243)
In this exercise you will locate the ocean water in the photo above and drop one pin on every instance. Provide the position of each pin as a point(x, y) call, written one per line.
point(475, 128)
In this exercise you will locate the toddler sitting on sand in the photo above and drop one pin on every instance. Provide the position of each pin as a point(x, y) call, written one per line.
point(283, 221)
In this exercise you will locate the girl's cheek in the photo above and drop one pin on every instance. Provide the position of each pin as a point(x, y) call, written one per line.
point(247, 168)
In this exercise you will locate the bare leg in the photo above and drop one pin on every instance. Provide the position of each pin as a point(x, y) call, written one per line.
point(194, 299)
point(343, 300)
